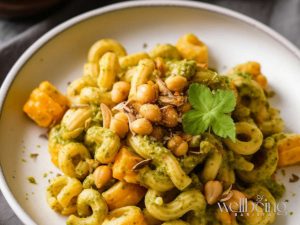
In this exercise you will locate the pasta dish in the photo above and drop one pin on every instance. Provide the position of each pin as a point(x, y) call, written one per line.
point(161, 138)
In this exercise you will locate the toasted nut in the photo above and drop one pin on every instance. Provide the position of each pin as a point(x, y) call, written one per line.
point(102, 175)
point(141, 164)
point(236, 199)
point(213, 191)
point(106, 114)
point(176, 100)
point(162, 87)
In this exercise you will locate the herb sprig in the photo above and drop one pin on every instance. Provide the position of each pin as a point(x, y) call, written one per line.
point(211, 110)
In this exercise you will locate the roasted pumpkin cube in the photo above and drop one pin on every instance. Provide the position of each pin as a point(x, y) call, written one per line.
point(53, 93)
point(46, 105)
point(123, 194)
point(253, 69)
point(289, 151)
point(123, 165)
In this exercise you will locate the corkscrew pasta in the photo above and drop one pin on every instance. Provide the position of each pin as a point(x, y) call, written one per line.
point(103, 142)
point(66, 160)
point(61, 194)
point(89, 199)
point(190, 200)
point(246, 147)
point(158, 138)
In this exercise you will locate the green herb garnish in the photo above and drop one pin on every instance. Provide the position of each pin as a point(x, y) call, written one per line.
point(31, 180)
point(210, 111)
point(34, 155)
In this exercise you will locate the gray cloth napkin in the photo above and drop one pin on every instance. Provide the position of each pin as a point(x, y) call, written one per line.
point(17, 36)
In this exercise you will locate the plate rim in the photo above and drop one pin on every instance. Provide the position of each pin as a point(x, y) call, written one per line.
point(12, 74)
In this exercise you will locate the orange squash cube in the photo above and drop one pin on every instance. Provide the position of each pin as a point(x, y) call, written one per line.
point(123, 194)
point(122, 167)
point(46, 105)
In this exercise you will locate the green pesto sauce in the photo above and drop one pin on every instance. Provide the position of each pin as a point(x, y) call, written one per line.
point(276, 189)
point(246, 76)
point(186, 68)
point(210, 215)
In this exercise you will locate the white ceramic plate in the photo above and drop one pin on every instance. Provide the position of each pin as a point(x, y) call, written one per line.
point(59, 56)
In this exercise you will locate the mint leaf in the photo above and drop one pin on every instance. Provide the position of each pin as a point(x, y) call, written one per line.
point(210, 110)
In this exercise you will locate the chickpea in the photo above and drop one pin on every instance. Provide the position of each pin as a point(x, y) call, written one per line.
point(142, 126)
point(146, 93)
point(120, 91)
point(158, 133)
point(235, 200)
point(178, 146)
point(121, 116)
point(174, 142)
point(213, 191)
point(119, 124)
point(102, 175)
point(169, 117)
point(176, 83)
point(181, 149)
point(151, 112)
